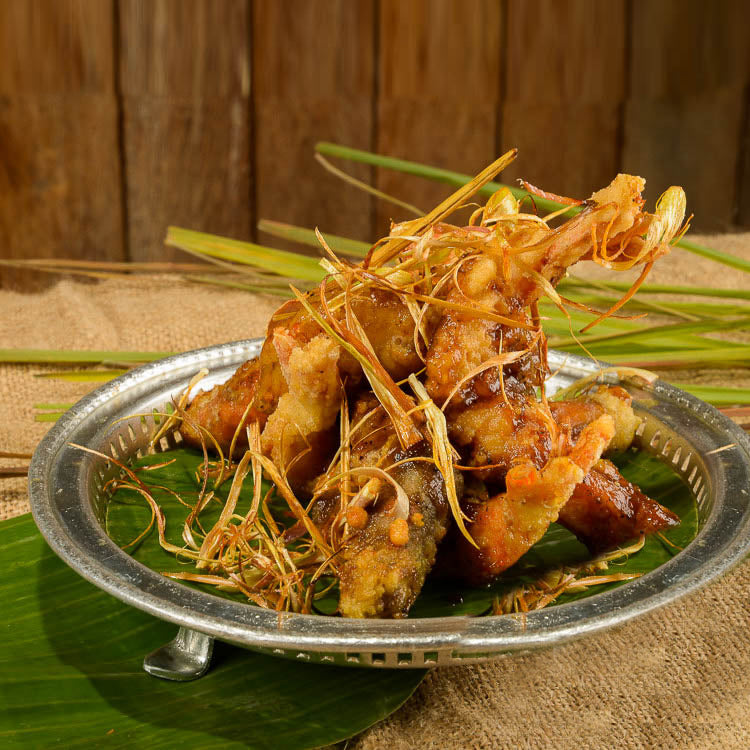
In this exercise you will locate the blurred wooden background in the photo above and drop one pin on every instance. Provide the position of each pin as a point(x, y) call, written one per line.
point(119, 117)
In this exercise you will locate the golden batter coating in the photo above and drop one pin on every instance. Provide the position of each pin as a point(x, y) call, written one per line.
point(377, 577)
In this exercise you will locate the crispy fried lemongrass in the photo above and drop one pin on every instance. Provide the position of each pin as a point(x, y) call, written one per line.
point(181, 404)
point(214, 537)
point(443, 452)
point(454, 312)
point(392, 398)
point(565, 579)
point(145, 492)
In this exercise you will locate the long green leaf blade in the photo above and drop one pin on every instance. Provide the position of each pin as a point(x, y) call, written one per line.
point(717, 395)
point(737, 357)
point(280, 262)
point(82, 376)
point(670, 330)
point(621, 286)
point(47, 356)
point(71, 655)
point(340, 245)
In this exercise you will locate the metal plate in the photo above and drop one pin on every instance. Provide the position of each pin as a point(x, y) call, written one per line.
point(68, 506)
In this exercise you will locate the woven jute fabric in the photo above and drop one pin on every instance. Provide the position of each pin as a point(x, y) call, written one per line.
point(676, 678)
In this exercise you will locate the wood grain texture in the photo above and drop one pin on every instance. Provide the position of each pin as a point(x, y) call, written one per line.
point(313, 80)
point(743, 171)
point(685, 48)
point(439, 69)
point(59, 155)
point(185, 81)
point(564, 87)
point(684, 114)
point(692, 143)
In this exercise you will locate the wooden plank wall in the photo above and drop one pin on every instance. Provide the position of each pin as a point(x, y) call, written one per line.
point(119, 117)
point(439, 91)
point(59, 180)
point(313, 80)
point(184, 70)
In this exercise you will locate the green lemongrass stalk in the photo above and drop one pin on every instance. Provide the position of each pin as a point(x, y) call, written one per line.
point(99, 270)
point(276, 290)
point(707, 326)
point(280, 262)
point(656, 307)
point(606, 349)
point(339, 245)
point(117, 267)
point(665, 343)
point(457, 179)
point(557, 326)
point(552, 316)
point(716, 255)
point(707, 309)
point(57, 356)
point(50, 416)
point(716, 395)
point(624, 286)
point(729, 357)
point(55, 406)
point(695, 310)
point(446, 176)
point(7, 472)
point(82, 376)
point(51, 269)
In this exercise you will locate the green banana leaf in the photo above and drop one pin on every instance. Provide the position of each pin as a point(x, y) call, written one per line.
point(128, 515)
point(71, 677)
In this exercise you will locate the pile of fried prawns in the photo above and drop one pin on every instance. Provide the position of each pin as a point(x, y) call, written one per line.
point(399, 409)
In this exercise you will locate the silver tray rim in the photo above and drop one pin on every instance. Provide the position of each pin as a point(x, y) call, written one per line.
point(722, 542)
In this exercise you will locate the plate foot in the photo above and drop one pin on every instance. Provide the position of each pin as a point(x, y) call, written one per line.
point(187, 657)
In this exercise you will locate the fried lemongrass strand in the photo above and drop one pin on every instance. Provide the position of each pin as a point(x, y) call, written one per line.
point(393, 399)
point(565, 579)
point(181, 404)
point(365, 187)
point(291, 499)
point(253, 440)
point(150, 525)
point(442, 452)
point(363, 499)
point(533, 190)
point(394, 246)
point(144, 491)
point(624, 299)
point(214, 536)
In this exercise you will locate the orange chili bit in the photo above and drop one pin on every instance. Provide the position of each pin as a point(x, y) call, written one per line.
point(521, 475)
point(357, 517)
point(399, 532)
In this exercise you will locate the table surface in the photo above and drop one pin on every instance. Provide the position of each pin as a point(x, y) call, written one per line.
point(675, 678)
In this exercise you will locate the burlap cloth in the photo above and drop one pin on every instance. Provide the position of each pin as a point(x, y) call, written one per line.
point(677, 678)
